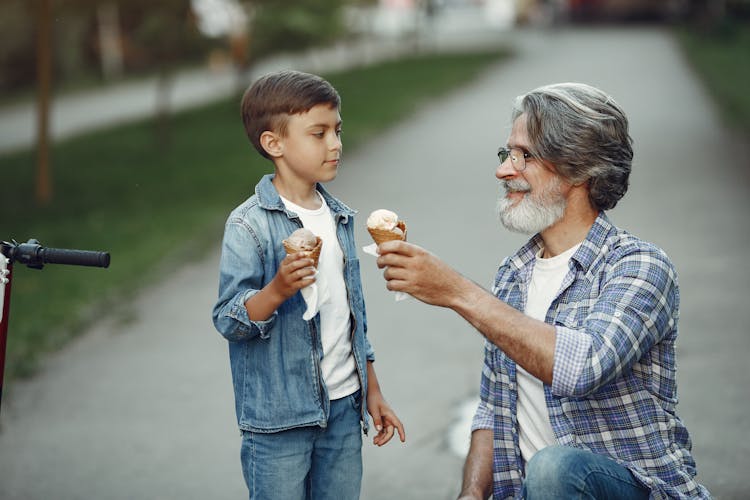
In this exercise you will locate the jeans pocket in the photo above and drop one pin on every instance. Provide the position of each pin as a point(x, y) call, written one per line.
point(356, 400)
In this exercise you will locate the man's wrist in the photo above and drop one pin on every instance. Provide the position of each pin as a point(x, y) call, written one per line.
point(466, 293)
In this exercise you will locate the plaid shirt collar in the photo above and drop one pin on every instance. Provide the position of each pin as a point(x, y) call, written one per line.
point(585, 256)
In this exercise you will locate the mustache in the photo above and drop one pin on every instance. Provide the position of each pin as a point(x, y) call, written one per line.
point(515, 185)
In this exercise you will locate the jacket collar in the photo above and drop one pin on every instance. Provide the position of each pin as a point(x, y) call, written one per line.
point(269, 199)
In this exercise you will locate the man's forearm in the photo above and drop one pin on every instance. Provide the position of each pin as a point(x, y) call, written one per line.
point(477, 480)
point(527, 341)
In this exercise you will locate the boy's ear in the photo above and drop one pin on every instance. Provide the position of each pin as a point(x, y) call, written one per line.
point(271, 143)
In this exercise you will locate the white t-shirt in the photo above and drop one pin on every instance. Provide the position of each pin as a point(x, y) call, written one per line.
point(534, 428)
point(337, 366)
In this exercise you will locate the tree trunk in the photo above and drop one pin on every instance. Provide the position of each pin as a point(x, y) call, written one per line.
point(110, 46)
point(43, 192)
point(163, 107)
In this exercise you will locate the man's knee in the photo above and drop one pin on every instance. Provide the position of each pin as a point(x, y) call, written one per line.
point(553, 472)
point(565, 472)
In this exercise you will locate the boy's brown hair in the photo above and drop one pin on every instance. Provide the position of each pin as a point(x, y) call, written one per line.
point(268, 103)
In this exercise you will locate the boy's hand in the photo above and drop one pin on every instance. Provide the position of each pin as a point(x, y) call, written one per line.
point(295, 272)
point(384, 419)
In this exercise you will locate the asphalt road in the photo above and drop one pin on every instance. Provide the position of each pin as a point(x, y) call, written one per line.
point(141, 406)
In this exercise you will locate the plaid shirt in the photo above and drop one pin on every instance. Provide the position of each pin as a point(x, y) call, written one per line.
point(613, 387)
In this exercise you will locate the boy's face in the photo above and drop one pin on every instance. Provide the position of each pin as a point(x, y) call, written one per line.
point(311, 148)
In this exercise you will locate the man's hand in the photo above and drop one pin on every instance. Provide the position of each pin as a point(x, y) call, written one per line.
point(414, 270)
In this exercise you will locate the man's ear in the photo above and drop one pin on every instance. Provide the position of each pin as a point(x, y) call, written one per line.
point(271, 143)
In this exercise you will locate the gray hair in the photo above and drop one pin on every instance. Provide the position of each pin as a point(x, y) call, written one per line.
point(583, 132)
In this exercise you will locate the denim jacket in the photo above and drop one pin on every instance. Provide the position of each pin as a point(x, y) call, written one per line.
point(276, 363)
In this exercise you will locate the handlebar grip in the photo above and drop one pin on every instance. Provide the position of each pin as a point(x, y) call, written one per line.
point(74, 257)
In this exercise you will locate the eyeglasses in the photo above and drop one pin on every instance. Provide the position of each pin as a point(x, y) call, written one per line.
point(517, 157)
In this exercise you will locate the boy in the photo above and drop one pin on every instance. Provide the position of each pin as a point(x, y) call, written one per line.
point(301, 387)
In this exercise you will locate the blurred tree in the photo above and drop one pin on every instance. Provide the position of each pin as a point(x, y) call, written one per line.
point(228, 22)
point(707, 13)
point(718, 17)
point(110, 40)
point(17, 69)
point(280, 25)
point(43, 15)
point(163, 30)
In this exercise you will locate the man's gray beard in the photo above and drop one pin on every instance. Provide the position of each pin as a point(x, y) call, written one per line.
point(535, 212)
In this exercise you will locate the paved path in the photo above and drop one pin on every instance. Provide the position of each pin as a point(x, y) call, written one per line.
point(141, 407)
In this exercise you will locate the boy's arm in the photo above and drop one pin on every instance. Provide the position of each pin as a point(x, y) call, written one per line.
point(241, 277)
point(383, 417)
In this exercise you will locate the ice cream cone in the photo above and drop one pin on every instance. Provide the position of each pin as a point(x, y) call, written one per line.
point(382, 235)
point(314, 253)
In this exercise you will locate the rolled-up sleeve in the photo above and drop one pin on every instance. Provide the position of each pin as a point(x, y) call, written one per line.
point(637, 305)
point(241, 275)
point(485, 415)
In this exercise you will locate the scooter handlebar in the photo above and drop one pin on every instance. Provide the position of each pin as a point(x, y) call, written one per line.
point(74, 257)
point(33, 254)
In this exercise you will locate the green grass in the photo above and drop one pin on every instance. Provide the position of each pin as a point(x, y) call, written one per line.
point(152, 205)
point(722, 59)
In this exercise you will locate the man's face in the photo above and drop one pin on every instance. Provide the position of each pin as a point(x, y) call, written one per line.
point(533, 199)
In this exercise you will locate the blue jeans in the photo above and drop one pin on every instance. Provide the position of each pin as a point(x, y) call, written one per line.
point(563, 472)
point(307, 462)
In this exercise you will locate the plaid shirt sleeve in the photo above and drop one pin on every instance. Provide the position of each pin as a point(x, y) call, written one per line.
point(485, 414)
point(636, 303)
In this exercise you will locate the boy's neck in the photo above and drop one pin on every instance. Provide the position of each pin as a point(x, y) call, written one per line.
point(298, 192)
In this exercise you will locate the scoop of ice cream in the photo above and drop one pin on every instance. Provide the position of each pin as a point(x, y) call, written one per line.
point(382, 219)
point(302, 239)
point(384, 225)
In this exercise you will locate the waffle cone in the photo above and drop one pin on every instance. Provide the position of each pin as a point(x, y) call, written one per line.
point(314, 253)
point(382, 235)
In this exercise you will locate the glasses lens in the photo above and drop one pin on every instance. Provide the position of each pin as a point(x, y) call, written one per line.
point(517, 159)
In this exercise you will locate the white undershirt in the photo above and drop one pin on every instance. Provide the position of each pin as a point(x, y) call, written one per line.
point(337, 366)
point(534, 428)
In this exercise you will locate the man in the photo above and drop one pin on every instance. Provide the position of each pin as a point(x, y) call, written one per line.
point(578, 394)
